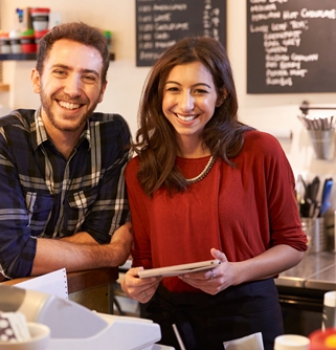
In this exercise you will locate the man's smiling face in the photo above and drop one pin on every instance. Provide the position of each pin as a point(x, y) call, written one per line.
point(70, 86)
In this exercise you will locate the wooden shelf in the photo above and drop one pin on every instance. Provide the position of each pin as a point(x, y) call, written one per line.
point(28, 56)
point(17, 57)
point(4, 87)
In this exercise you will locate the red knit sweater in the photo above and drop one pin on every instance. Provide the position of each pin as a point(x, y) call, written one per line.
point(241, 210)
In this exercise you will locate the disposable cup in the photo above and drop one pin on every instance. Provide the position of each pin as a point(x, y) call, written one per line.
point(291, 342)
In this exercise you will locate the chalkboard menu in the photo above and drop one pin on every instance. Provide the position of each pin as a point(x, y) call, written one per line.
point(291, 46)
point(161, 23)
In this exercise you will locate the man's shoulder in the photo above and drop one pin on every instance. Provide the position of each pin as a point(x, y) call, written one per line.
point(21, 117)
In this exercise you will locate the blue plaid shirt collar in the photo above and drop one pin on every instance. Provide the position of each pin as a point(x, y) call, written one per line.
point(42, 135)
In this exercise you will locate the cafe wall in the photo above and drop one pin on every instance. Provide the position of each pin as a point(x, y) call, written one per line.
point(275, 113)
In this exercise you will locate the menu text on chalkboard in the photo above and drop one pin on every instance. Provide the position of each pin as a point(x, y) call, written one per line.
point(291, 46)
point(161, 23)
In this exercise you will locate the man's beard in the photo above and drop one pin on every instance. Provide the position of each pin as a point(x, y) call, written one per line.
point(46, 105)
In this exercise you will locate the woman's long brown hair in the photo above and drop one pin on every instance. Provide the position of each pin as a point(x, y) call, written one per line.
point(156, 143)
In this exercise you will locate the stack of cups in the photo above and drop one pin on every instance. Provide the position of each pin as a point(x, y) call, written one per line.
point(40, 22)
point(15, 41)
point(5, 45)
point(28, 41)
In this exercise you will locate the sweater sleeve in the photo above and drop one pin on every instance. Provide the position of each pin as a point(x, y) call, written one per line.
point(285, 223)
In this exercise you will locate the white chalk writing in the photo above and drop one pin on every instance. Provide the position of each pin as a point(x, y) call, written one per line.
point(281, 31)
point(161, 23)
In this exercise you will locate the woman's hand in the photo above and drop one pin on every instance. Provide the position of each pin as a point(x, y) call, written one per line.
point(265, 265)
point(140, 289)
point(214, 280)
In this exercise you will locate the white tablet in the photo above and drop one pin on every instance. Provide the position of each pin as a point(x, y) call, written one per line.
point(177, 270)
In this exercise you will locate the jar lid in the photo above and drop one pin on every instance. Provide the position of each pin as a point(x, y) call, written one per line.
point(4, 34)
point(40, 9)
point(14, 33)
point(28, 32)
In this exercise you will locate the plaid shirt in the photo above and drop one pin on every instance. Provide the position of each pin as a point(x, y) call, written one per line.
point(45, 195)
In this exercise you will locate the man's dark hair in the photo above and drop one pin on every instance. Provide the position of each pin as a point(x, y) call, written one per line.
point(79, 32)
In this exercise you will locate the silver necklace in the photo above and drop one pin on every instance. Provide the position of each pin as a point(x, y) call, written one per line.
point(204, 173)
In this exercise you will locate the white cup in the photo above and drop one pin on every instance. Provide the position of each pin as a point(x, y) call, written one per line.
point(291, 342)
point(40, 336)
point(14, 38)
point(329, 310)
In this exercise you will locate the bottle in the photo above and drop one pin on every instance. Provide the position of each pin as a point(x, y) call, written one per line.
point(329, 310)
point(108, 36)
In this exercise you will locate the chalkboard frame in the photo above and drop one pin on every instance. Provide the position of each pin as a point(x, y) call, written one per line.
point(146, 57)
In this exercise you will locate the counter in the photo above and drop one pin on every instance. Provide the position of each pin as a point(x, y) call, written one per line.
point(301, 292)
point(315, 271)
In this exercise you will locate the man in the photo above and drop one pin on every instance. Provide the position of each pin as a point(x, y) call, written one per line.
point(62, 166)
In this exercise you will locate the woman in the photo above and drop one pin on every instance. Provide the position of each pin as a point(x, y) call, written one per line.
point(204, 186)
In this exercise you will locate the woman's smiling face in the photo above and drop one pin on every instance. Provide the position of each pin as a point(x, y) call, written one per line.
point(189, 99)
